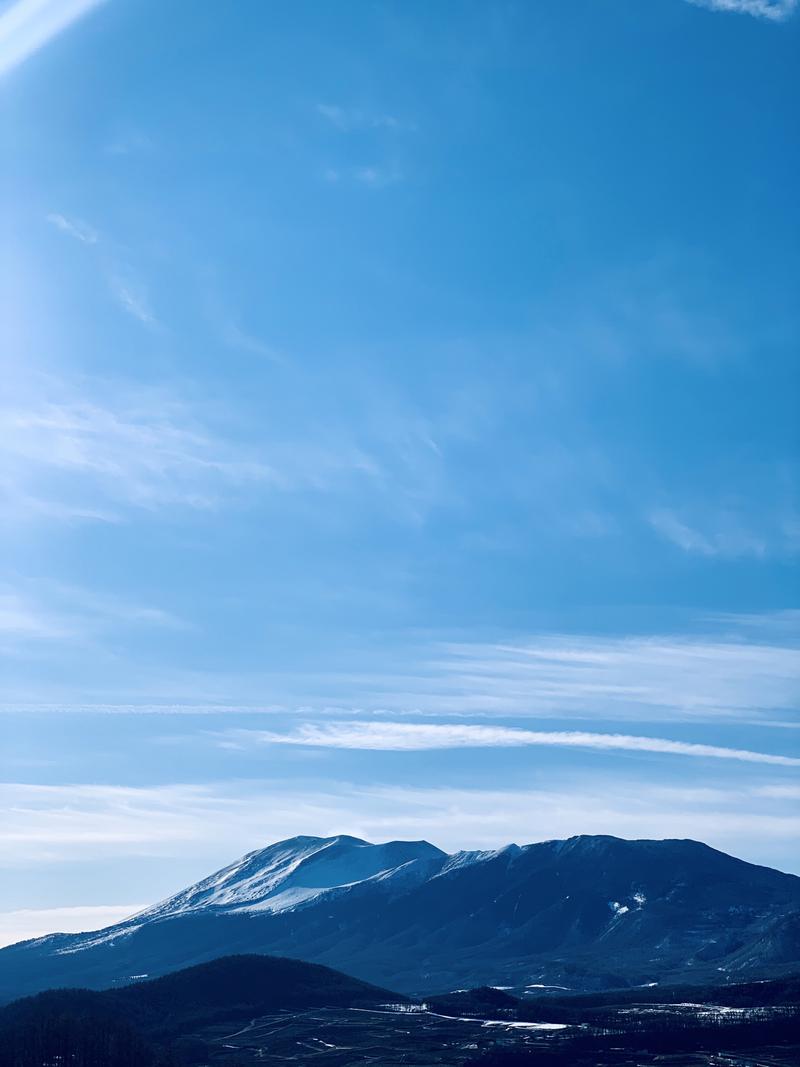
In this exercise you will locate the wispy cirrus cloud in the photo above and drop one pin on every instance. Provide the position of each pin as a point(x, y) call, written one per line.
point(81, 231)
point(732, 672)
point(652, 675)
point(774, 10)
point(93, 451)
point(52, 824)
point(132, 298)
point(49, 820)
point(377, 168)
point(28, 25)
point(372, 176)
point(744, 671)
point(48, 611)
point(347, 119)
point(729, 538)
point(235, 336)
point(127, 291)
point(417, 737)
point(20, 618)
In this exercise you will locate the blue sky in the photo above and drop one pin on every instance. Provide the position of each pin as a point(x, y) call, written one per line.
point(398, 432)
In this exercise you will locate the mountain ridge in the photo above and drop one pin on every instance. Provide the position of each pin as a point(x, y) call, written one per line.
point(586, 912)
point(300, 867)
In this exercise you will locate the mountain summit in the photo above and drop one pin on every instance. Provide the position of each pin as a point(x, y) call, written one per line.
point(290, 873)
point(585, 913)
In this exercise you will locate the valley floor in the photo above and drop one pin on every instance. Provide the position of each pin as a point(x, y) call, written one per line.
point(390, 1038)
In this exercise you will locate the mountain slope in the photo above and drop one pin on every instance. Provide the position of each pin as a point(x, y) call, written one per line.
point(130, 1023)
point(230, 987)
point(289, 873)
point(586, 913)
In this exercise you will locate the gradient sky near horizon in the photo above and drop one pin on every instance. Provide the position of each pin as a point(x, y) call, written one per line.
point(398, 432)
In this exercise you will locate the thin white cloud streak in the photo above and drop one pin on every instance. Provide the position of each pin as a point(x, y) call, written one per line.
point(658, 677)
point(133, 300)
point(372, 176)
point(347, 119)
point(729, 537)
point(377, 177)
point(774, 10)
point(48, 613)
point(80, 231)
point(21, 618)
point(783, 622)
point(86, 454)
point(235, 337)
point(25, 923)
point(43, 825)
point(779, 792)
point(419, 737)
point(706, 677)
point(673, 529)
point(53, 821)
point(139, 709)
point(748, 673)
point(95, 449)
point(128, 293)
point(28, 25)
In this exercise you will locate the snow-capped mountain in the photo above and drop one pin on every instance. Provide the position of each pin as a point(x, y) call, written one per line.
point(290, 873)
point(589, 912)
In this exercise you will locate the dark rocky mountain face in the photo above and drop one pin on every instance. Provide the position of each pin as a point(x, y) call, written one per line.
point(586, 913)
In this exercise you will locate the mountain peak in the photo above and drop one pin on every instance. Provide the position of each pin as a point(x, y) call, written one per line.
point(293, 872)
